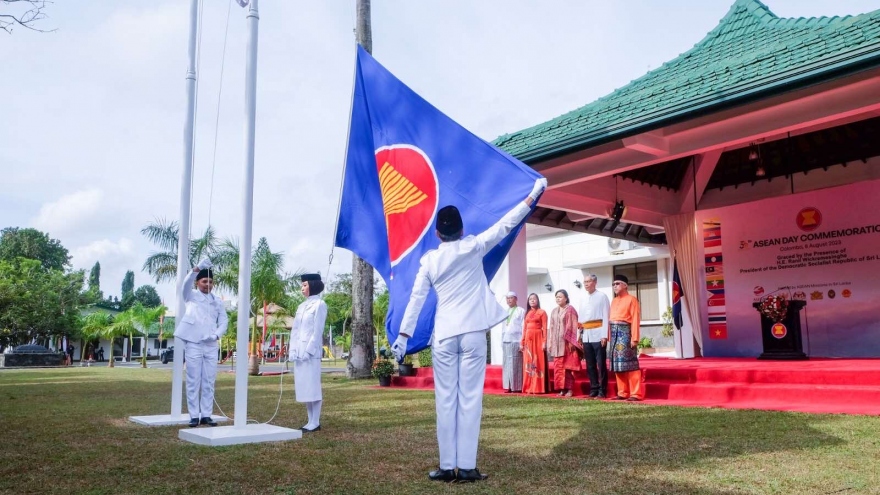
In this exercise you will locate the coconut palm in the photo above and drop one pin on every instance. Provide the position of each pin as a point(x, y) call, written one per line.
point(162, 265)
point(268, 283)
point(93, 326)
point(102, 325)
point(139, 319)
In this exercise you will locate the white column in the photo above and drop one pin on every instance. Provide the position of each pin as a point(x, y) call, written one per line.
point(183, 261)
point(244, 261)
point(513, 275)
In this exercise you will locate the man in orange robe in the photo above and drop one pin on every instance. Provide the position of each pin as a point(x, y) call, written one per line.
point(624, 337)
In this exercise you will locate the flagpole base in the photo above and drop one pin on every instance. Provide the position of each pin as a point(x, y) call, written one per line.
point(234, 435)
point(169, 419)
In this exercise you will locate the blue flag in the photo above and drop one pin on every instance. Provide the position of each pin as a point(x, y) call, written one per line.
point(405, 161)
point(677, 294)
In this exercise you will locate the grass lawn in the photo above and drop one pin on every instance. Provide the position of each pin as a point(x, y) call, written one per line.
point(65, 431)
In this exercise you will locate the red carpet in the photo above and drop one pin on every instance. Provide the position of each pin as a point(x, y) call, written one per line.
point(848, 386)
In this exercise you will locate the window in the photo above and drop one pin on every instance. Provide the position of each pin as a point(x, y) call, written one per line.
point(643, 284)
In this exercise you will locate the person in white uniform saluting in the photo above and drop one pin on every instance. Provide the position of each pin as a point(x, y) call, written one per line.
point(466, 310)
point(305, 349)
point(201, 327)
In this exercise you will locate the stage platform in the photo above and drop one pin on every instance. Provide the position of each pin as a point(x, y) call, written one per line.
point(818, 385)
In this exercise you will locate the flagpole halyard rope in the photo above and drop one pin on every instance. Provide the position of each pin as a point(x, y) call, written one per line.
point(217, 119)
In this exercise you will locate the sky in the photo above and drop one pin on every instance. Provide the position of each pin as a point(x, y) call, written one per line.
point(92, 114)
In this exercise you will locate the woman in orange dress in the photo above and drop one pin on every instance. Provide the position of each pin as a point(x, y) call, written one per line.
point(534, 343)
point(562, 342)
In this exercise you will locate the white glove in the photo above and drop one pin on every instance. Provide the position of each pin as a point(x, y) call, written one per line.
point(398, 348)
point(540, 185)
point(293, 356)
point(205, 264)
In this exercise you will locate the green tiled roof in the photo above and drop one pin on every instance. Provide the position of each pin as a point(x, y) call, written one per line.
point(752, 53)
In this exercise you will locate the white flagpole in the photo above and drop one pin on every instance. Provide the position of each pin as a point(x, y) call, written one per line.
point(183, 261)
point(244, 260)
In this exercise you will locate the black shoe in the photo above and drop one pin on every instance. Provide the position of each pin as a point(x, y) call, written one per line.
point(446, 475)
point(470, 475)
point(310, 430)
point(633, 399)
point(193, 422)
point(208, 421)
point(600, 396)
point(617, 397)
point(594, 394)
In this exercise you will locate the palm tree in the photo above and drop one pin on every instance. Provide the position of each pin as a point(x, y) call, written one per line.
point(93, 327)
point(162, 265)
point(103, 325)
point(136, 319)
point(268, 283)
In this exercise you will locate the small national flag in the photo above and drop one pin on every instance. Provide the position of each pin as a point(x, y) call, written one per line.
point(717, 331)
point(243, 3)
point(714, 282)
point(677, 294)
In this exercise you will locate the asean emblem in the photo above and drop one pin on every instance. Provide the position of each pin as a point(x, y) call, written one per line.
point(758, 290)
point(809, 219)
point(778, 330)
point(410, 193)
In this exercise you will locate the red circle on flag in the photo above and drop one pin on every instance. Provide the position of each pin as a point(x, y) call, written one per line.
point(779, 331)
point(809, 219)
point(759, 290)
point(410, 193)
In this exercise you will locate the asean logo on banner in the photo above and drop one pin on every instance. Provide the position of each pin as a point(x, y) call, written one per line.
point(809, 219)
point(410, 193)
point(778, 330)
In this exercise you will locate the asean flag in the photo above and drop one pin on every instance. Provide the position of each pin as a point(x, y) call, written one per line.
point(405, 160)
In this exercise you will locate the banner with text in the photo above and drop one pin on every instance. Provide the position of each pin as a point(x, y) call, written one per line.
point(822, 247)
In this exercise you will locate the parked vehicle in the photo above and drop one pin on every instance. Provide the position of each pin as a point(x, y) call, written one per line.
point(168, 355)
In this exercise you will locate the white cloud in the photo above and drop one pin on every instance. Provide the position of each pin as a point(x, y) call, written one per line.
point(102, 250)
point(70, 211)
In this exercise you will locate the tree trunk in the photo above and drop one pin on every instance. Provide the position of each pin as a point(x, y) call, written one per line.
point(361, 354)
point(254, 358)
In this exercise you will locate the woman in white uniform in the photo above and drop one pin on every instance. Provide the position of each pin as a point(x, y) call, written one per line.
point(305, 349)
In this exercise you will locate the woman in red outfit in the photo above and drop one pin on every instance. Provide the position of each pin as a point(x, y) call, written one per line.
point(562, 342)
point(534, 343)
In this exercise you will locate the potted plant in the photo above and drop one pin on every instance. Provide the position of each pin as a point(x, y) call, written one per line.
point(426, 359)
point(667, 323)
point(645, 344)
point(383, 369)
point(406, 368)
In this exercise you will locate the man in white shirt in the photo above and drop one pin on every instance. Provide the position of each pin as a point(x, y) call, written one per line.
point(511, 340)
point(201, 327)
point(466, 310)
point(594, 324)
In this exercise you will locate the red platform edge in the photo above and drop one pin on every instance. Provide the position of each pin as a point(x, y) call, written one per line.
point(818, 385)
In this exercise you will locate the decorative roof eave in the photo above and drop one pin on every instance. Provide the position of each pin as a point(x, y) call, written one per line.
point(846, 64)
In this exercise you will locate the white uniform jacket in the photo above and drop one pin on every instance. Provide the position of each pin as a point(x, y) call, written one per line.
point(455, 270)
point(205, 317)
point(308, 327)
point(512, 329)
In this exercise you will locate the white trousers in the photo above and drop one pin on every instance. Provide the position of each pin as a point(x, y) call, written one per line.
point(459, 374)
point(201, 371)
